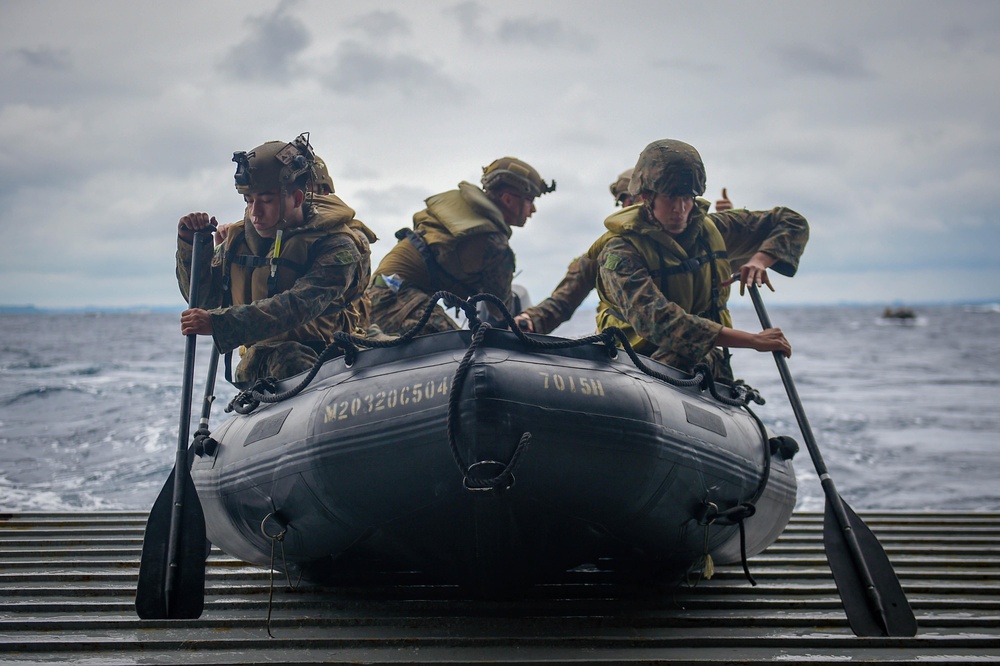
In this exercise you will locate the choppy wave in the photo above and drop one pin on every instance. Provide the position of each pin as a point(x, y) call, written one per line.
point(906, 416)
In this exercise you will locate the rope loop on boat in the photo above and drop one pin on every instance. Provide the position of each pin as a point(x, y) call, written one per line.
point(472, 480)
point(710, 514)
point(265, 390)
point(276, 538)
point(344, 344)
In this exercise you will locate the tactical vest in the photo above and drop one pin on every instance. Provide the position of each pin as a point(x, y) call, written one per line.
point(247, 264)
point(453, 222)
point(689, 276)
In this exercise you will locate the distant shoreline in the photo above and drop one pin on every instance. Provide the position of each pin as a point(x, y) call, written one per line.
point(90, 309)
point(733, 304)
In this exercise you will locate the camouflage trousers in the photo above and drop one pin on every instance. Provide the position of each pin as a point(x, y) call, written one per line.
point(395, 312)
point(278, 359)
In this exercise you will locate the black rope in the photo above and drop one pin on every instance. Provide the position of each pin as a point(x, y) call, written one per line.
point(265, 390)
point(737, 514)
point(743, 554)
point(503, 480)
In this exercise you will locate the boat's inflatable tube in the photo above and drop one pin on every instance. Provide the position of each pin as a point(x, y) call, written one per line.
point(621, 467)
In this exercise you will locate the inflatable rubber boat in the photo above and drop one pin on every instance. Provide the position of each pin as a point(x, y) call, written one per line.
point(493, 459)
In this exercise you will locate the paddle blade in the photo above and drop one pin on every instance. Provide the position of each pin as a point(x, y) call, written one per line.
point(890, 613)
point(152, 601)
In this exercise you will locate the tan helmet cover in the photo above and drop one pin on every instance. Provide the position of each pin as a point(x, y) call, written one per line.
point(619, 188)
point(273, 165)
point(669, 167)
point(323, 183)
point(517, 174)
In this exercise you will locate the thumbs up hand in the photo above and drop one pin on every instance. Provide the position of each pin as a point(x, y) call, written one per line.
point(724, 203)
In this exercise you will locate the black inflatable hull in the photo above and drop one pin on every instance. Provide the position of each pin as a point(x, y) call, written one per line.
point(358, 467)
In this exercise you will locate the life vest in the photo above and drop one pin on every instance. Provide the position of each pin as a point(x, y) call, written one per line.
point(689, 269)
point(447, 239)
point(248, 259)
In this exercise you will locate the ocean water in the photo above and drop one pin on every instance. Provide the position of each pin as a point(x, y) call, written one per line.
point(905, 413)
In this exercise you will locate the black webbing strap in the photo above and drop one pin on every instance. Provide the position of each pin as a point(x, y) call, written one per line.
point(691, 264)
point(433, 269)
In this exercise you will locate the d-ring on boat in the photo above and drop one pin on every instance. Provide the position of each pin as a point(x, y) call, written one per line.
point(491, 458)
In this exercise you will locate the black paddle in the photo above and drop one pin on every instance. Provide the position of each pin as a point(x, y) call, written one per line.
point(873, 599)
point(172, 567)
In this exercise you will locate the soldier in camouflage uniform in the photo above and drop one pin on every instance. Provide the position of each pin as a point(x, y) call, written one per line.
point(665, 263)
point(581, 277)
point(459, 243)
point(288, 276)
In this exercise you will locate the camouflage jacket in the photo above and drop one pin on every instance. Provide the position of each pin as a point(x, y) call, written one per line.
point(459, 243)
point(323, 268)
point(655, 320)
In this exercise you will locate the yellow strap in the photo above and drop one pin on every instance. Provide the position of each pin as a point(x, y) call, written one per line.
point(277, 252)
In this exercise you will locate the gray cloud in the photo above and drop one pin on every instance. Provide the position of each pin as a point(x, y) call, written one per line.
point(541, 33)
point(524, 30)
point(881, 130)
point(269, 53)
point(44, 57)
point(808, 60)
point(468, 14)
point(394, 203)
point(382, 24)
point(359, 69)
point(45, 75)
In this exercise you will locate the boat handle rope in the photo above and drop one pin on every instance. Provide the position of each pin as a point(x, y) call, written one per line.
point(266, 390)
point(505, 479)
point(740, 512)
point(278, 538)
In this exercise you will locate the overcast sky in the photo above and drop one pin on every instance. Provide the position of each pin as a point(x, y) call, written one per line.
point(878, 121)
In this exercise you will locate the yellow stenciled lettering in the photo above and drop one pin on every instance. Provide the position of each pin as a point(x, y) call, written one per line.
point(573, 384)
point(384, 400)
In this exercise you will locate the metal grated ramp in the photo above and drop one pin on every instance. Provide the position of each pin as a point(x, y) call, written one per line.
point(67, 587)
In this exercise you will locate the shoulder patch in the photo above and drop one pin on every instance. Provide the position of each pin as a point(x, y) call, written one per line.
point(343, 257)
point(611, 261)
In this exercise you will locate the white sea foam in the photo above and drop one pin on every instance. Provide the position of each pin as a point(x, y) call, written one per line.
point(905, 416)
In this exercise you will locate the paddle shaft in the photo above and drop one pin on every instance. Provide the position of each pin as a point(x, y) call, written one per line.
point(181, 470)
point(206, 406)
point(829, 489)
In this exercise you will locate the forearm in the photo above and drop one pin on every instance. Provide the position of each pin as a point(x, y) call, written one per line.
point(320, 292)
point(768, 340)
point(570, 293)
point(780, 233)
point(731, 337)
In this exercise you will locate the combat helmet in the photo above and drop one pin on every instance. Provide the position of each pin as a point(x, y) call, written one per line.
point(619, 188)
point(669, 167)
point(323, 183)
point(517, 174)
point(274, 165)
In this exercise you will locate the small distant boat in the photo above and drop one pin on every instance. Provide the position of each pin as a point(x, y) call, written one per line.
point(899, 313)
point(505, 465)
